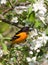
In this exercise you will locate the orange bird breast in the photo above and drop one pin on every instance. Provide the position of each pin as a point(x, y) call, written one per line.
point(22, 36)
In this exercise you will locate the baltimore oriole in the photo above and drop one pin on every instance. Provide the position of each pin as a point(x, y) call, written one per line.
point(20, 35)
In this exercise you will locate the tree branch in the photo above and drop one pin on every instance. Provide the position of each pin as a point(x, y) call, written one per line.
point(8, 22)
point(13, 6)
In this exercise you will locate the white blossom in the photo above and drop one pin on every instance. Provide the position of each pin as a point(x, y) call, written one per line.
point(33, 33)
point(3, 1)
point(31, 63)
point(30, 52)
point(38, 44)
point(40, 41)
point(20, 9)
point(29, 59)
point(15, 20)
point(40, 7)
point(42, 19)
point(31, 48)
point(34, 59)
point(1, 53)
point(41, 13)
point(12, 59)
point(38, 50)
point(43, 38)
point(46, 55)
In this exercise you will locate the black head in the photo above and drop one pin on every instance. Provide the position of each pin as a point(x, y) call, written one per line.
point(25, 29)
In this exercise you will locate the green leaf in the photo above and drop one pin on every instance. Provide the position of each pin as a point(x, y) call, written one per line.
point(37, 23)
point(3, 27)
point(4, 47)
point(32, 17)
point(46, 31)
point(22, 0)
point(29, 10)
point(14, 59)
point(32, 1)
point(7, 38)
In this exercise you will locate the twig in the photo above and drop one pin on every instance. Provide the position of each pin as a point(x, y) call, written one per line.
point(24, 4)
point(11, 3)
point(8, 21)
point(7, 10)
point(13, 6)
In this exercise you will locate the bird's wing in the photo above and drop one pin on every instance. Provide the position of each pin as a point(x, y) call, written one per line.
point(15, 37)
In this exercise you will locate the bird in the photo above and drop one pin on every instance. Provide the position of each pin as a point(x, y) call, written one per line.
point(21, 35)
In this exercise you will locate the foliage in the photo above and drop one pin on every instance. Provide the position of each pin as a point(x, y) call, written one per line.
point(24, 13)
